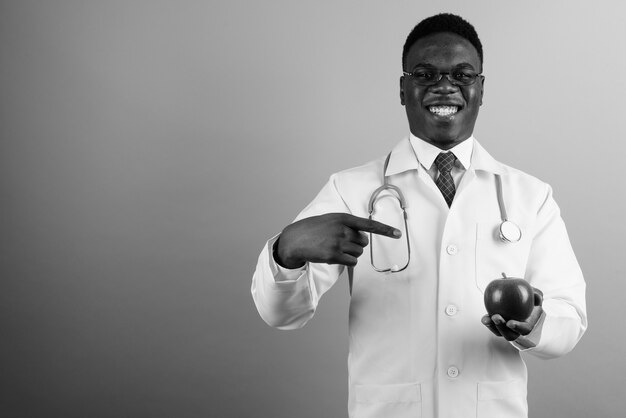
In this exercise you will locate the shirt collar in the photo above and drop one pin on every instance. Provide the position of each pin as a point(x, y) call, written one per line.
point(404, 157)
point(427, 153)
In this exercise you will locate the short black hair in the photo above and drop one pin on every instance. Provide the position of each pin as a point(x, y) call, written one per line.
point(443, 22)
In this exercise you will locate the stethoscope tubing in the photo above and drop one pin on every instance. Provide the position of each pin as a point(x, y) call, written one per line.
point(509, 231)
point(400, 197)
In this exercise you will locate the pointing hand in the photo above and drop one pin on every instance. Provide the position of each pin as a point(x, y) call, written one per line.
point(332, 238)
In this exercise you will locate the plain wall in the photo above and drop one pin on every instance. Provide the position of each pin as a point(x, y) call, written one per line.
point(149, 148)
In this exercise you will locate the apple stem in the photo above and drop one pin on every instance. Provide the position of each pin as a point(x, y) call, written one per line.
point(504, 276)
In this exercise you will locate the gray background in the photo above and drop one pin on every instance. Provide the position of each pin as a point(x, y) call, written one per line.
point(149, 148)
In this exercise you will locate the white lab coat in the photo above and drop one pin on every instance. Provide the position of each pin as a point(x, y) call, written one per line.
point(417, 347)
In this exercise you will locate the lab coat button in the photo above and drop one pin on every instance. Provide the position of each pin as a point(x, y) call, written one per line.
point(451, 310)
point(453, 371)
point(452, 249)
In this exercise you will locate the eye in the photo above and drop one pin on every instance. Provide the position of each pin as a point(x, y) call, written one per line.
point(423, 74)
point(463, 75)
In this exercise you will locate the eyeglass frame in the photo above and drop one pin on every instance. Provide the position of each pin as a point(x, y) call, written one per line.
point(440, 77)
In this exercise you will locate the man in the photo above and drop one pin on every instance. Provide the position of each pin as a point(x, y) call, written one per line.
point(420, 341)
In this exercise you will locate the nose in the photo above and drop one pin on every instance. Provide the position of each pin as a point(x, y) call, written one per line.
point(444, 85)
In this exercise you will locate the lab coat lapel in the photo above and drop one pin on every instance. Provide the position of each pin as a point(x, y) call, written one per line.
point(481, 161)
point(403, 158)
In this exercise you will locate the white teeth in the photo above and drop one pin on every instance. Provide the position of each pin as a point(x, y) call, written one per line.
point(443, 110)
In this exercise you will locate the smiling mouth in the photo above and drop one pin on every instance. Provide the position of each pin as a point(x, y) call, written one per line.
point(443, 110)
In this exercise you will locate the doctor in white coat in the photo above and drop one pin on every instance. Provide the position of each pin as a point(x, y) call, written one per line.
point(421, 343)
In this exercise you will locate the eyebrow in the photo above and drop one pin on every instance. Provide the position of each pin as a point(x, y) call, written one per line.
point(427, 65)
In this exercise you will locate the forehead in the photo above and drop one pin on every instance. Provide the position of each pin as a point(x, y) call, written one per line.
point(443, 49)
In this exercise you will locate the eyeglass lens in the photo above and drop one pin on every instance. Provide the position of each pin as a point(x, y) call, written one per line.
point(431, 76)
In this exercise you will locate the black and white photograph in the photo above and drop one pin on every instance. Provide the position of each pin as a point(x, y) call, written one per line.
point(363, 209)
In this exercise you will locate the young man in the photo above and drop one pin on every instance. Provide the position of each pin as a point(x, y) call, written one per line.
point(421, 344)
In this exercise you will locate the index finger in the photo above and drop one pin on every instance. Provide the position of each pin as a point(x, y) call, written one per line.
point(486, 320)
point(369, 225)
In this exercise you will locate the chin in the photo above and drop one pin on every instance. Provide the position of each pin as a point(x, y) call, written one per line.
point(445, 141)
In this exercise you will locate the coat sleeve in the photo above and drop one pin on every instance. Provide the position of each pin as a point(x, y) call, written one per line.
point(286, 303)
point(552, 268)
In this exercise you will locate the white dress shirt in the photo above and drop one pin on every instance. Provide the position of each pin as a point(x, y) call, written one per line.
point(427, 153)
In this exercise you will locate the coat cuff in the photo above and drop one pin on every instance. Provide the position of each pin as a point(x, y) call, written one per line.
point(530, 341)
point(280, 273)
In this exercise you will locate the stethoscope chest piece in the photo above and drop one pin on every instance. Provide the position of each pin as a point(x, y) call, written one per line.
point(510, 232)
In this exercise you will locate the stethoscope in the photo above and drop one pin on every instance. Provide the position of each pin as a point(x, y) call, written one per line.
point(509, 231)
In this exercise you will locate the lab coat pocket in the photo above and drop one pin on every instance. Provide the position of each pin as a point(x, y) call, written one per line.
point(399, 401)
point(502, 399)
point(494, 257)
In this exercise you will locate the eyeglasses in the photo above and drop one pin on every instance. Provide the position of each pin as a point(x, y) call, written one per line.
point(432, 76)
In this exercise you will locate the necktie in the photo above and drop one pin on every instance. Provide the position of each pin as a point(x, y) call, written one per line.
point(444, 163)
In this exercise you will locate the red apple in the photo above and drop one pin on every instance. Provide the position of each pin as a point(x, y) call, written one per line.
point(510, 297)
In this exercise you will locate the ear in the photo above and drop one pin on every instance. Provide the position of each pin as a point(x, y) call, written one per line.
point(402, 90)
point(482, 88)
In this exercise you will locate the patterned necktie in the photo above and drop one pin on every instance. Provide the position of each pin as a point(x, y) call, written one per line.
point(444, 163)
